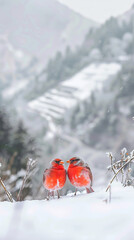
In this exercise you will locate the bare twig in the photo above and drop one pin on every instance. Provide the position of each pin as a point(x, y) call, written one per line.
point(117, 163)
point(9, 195)
point(12, 160)
point(110, 195)
point(109, 185)
point(30, 166)
point(21, 189)
point(123, 157)
point(112, 165)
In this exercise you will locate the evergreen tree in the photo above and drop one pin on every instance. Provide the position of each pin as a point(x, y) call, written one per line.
point(15, 145)
point(22, 145)
point(5, 132)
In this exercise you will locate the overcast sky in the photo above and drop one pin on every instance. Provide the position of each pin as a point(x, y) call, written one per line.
point(99, 10)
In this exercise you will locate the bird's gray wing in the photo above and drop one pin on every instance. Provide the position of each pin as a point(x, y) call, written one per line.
point(90, 172)
point(44, 174)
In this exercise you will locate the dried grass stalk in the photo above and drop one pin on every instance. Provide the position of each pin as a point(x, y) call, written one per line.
point(9, 195)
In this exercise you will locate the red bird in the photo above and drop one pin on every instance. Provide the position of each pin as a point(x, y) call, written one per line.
point(80, 174)
point(54, 178)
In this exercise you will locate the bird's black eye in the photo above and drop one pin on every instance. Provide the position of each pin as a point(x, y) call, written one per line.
point(57, 161)
point(75, 160)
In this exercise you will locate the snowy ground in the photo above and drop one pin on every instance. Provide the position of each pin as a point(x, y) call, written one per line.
point(84, 217)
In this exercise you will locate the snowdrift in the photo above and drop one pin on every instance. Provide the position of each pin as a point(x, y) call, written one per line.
point(84, 217)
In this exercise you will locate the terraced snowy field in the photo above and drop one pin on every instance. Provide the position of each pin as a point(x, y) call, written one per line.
point(56, 102)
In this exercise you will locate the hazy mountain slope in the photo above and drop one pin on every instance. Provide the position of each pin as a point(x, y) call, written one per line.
point(105, 121)
point(41, 27)
point(113, 37)
point(103, 49)
point(101, 121)
point(114, 40)
point(127, 16)
point(70, 92)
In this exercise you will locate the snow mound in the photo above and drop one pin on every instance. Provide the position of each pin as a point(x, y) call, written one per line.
point(84, 217)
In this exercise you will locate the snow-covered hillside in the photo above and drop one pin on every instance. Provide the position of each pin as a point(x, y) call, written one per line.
point(56, 102)
point(82, 217)
point(42, 27)
point(127, 16)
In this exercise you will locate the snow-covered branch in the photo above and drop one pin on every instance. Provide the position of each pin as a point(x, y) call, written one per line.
point(31, 164)
point(120, 167)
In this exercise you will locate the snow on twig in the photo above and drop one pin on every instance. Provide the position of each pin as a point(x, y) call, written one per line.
point(120, 169)
point(31, 164)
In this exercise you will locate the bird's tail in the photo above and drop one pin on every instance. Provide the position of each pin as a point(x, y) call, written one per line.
point(89, 190)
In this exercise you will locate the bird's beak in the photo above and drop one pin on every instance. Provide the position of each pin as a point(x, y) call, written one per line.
point(61, 162)
point(68, 161)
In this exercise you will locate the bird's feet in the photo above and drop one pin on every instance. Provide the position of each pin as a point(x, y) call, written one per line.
point(75, 192)
point(58, 194)
point(89, 190)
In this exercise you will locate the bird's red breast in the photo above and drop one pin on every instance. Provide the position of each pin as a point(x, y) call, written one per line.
point(79, 175)
point(54, 178)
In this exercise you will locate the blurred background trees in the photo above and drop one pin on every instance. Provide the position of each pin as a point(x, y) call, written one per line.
point(44, 108)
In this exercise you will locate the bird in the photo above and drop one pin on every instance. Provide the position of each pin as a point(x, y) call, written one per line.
point(79, 174)
point(54, 178)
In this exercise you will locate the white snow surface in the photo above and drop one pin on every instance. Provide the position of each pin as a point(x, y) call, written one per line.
point(84, 217)
point(14, 88)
